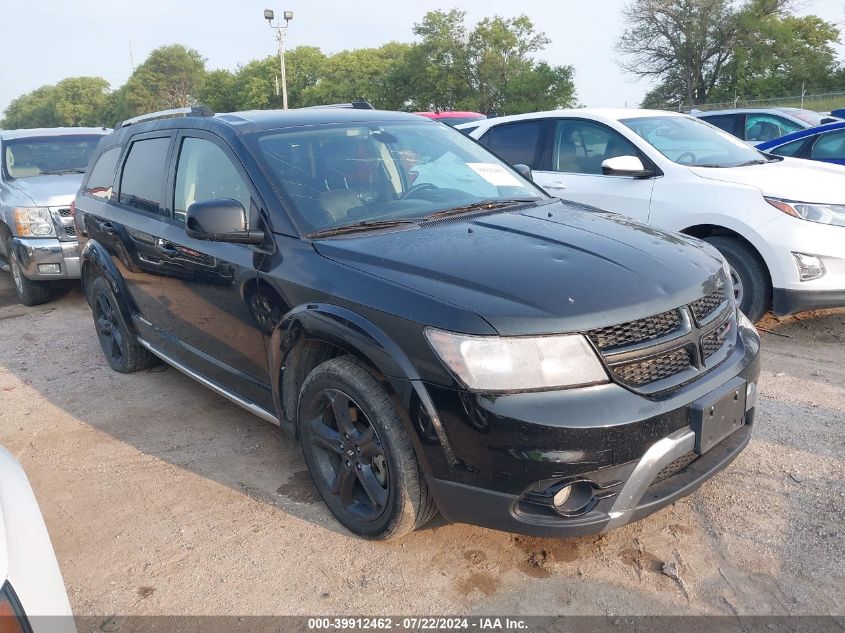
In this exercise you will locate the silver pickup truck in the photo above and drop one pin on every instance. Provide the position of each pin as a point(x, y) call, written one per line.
point(41, 171)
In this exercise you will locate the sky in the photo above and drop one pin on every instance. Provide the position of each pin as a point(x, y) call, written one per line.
point(48, 40)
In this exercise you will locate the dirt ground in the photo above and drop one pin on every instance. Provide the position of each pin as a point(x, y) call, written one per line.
point(163, 498)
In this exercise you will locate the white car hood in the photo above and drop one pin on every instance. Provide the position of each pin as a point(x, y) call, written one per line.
point(790, 179)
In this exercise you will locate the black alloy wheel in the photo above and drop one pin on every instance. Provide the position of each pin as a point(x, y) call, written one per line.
point(348, 454)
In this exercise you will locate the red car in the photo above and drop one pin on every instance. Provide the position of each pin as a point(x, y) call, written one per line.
point(453, 118)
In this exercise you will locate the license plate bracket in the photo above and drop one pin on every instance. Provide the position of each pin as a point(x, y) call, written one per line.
point(718, 414)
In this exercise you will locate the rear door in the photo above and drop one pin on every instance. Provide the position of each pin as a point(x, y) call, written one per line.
point(123, 212)
point(572, 169)
point(210, 288)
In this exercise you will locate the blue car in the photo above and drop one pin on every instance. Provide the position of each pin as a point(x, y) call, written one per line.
point(824, 143)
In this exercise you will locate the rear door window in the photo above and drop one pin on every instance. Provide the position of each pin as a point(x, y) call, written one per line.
point(789, 149)
point(142, 181)
point(101, 179)
point(726, 122)
point(516, 143)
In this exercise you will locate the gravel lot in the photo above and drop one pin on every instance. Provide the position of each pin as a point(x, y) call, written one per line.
point(162, 497)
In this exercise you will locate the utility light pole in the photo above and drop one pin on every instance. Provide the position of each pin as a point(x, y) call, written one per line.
point(281, 34)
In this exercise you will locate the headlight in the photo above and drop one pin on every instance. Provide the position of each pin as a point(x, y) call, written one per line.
point(12, 618)
point(823, 213)
point(33, 222)
point(497, 363)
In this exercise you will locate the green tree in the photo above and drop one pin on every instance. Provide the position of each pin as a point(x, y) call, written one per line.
point(171, 77)
point(704, 50)
point(75, 101)
point(219, 91)
point(363, 73)
point(33, 109)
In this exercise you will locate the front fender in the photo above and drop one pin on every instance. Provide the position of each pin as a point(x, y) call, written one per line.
point(360, 337)
point(96, 261)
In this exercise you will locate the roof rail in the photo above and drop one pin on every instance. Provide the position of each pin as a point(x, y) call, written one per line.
point(197, 110)
point(357, 105)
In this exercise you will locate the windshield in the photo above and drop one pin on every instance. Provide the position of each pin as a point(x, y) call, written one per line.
point(37, 156)
point(693, 142)
point(808, 116)
point(340, 175)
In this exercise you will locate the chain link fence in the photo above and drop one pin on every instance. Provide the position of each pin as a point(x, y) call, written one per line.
point(818, 101)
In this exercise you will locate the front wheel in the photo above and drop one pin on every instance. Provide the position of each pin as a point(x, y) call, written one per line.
point(358, 453)
point(30, 293)
point(751, 286)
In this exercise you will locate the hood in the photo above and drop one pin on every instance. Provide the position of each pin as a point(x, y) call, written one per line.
point(553, 268)
point(790, 179)
point(49, 191)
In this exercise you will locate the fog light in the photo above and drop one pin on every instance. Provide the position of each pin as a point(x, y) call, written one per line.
point(49, 269)
point(561, 496)
point(809, 266)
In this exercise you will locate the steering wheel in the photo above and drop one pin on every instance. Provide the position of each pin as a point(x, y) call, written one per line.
point(423, 186)
point(688, 155)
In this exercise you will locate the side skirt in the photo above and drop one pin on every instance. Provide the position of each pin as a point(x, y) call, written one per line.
point(253, 408)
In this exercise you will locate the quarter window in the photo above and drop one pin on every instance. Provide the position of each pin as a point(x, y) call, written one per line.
point(830, 146)
point(580, 147)
point(143, 174)
point(516, 143)
point(205, 173)
point(101, 179)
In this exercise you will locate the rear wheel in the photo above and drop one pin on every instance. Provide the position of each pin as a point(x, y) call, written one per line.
point(30, 293)
point(749, 277)
point(121, 348)
point(358, 453)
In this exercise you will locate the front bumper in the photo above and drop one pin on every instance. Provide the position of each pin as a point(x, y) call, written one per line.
point(788, 301)
point(35, 252)
point(622, 443)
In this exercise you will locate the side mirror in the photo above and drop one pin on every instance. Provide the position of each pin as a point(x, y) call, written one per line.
point(222, 220)
point(523, 170)
point(630, 166)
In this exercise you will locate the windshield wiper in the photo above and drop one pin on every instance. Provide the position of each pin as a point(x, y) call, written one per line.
point(755, 161)
point(481, 205)
point(63, 171)
point(358, 227)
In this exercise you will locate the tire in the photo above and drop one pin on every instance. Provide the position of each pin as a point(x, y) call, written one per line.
point(120, 347)
point(29, 292)
point(361, 461)
point(749, 275)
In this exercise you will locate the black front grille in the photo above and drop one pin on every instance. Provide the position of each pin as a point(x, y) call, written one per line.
point(643, 372)
point(638, 331)
point(70, 231)
point(65, 213)
point(704, 307)
point(712, 342)
point(675, 467)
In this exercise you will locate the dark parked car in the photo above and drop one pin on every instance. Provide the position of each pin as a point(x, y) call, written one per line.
point(436, 331)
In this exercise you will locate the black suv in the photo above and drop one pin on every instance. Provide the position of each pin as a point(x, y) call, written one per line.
point(435, 330)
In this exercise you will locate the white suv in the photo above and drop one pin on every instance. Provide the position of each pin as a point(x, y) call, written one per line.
point(780, 222)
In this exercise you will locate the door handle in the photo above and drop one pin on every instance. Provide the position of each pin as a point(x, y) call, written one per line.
point(558, 184)
point(107, 227)
point(166, 248)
